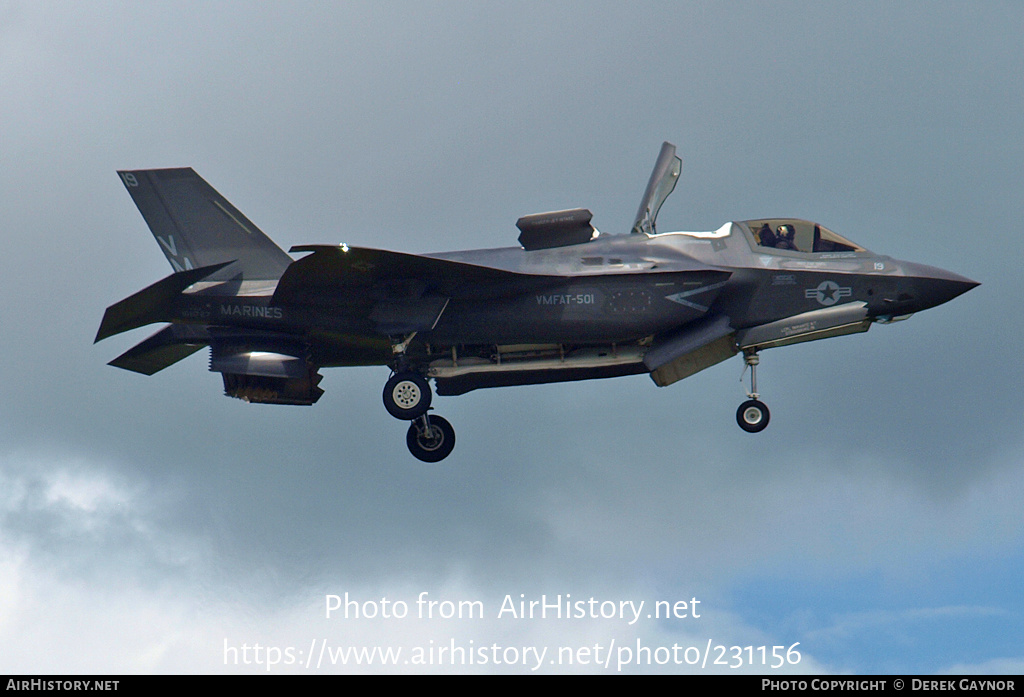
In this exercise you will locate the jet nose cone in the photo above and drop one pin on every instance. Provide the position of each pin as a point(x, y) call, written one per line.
point(933, 286)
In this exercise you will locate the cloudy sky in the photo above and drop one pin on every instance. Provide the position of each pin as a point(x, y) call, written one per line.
point(153, 525)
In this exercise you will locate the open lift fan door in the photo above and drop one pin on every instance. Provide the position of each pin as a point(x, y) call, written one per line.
point(555, 229)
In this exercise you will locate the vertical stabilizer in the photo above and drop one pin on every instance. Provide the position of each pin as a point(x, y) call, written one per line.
point(196, 226)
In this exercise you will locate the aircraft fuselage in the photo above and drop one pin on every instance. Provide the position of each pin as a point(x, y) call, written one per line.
point(613, 290)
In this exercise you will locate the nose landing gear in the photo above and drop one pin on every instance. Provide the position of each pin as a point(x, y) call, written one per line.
point(753, 415)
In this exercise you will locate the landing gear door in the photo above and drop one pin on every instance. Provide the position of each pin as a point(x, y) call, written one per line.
point(662, 182)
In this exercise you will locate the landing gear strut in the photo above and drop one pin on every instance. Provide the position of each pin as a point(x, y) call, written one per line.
point(407, 397)
point(753, 415)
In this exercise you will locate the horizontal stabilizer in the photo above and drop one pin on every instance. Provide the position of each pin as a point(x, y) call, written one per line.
point(151, 304)
point(165, 348)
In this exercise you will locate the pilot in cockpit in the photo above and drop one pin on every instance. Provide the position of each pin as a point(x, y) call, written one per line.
point(765, 236)
point(786, 238)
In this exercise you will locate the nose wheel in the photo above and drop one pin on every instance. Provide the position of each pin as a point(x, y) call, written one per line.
point(753, 414)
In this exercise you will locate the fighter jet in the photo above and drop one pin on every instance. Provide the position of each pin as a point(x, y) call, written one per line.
point(569, 303)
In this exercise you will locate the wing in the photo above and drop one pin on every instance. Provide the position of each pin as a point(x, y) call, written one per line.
point(332, 270)
point(345, 274)
point(339, 271)
point(400, 293)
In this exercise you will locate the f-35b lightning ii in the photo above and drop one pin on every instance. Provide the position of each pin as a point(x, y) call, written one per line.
point(569, 303)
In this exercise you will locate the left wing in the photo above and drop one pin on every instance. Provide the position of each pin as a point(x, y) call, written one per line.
point(343, 269)
point(403, 293)
point(400, 293)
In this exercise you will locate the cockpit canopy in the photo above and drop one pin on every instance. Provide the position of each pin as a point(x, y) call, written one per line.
point(791, 234)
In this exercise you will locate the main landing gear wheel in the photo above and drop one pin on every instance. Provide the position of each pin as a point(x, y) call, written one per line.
point(407, 396)
point(430, 438)
point(753, 416)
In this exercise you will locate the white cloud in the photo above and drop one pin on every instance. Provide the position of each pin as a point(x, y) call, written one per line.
point(96, 605)
point(98, 610)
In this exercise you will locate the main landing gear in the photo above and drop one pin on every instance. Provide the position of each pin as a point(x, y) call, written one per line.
point(753, 415)
point(407, 397)
point(430, 438)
